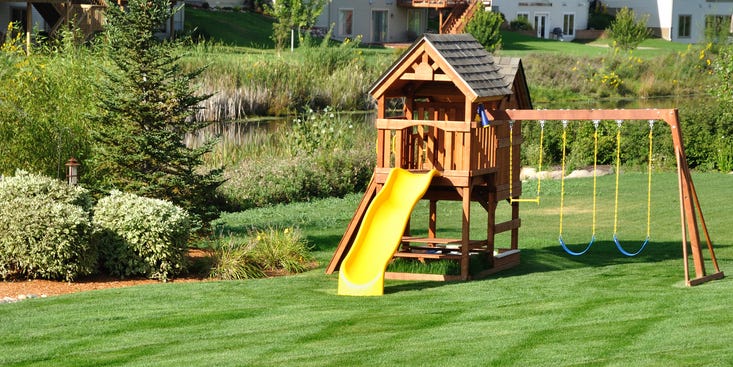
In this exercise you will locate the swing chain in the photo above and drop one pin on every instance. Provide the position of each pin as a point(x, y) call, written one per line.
point(596, 123)
point(564, 124)
point(619, 123)
point(651, 124)
point(542, 124)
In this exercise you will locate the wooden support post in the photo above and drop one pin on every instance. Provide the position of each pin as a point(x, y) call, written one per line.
point(491, 226)
point(515, 229)
point(466, 232)
point(28, 26)
point(433, 220)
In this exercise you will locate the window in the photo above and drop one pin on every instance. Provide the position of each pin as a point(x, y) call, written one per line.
point(568, 24)
point(379, 26)
point(416, 19)
point(683, 29)
point(523, 16)
point(346, 17)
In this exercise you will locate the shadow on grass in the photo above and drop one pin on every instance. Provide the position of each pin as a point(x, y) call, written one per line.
point(554, 258)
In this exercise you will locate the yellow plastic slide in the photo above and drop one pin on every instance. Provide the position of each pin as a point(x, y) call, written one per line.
point(362, 271)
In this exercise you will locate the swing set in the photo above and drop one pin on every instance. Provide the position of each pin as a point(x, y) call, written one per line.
point(691, 216)
point(616, 241)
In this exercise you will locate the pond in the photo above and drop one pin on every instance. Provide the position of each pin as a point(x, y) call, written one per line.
point(256, 130)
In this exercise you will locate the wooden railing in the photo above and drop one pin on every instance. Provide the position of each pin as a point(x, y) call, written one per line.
point(431, 3)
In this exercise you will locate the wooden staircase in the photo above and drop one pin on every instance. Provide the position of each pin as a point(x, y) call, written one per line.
point(460, 15)
point(87, 17)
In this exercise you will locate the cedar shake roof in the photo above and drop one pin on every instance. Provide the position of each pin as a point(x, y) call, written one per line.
point(513, 72)
point(472, 68)
point(472, 62)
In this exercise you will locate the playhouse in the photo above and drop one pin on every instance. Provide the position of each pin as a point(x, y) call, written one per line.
point(448, 123)
point(439, 83)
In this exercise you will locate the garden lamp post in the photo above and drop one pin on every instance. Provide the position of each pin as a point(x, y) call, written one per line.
point(72, 171)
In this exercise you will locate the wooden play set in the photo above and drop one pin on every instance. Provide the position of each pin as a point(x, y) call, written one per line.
point(458, 106)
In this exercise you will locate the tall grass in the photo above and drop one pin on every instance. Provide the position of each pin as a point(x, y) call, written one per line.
point(246, 84)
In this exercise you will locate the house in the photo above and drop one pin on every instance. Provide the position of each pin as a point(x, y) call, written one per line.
point(48, 16)
point(679, 20)
point(393, 21)
point(559, 19)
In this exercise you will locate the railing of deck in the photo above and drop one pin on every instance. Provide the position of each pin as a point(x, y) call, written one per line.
point(431, 3)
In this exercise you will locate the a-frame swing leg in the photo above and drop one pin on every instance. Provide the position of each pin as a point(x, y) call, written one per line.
point(689, 209)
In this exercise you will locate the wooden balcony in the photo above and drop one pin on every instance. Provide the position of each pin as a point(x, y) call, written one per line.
point(430, 3)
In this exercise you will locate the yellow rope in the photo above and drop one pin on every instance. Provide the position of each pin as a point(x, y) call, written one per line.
point(511, 165)
point(595, 172)
point(649, 178)
point(618, 167)
point(562, 172)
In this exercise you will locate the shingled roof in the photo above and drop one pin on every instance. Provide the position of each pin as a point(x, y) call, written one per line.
point(474, 66)
point(513, 72)
point(472, 62)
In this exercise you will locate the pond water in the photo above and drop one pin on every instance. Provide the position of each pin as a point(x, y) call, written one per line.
point(253, 131)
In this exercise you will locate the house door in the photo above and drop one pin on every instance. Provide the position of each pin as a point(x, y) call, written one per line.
point(540, 24)
point(379, 26)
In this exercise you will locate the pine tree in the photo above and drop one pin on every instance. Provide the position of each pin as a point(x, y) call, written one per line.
point(147, 107)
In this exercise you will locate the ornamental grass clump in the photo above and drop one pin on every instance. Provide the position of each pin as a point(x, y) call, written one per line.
point(281, 250)
point(141, 236)
point(45, 229)
point(266, 251)
point(233, 260)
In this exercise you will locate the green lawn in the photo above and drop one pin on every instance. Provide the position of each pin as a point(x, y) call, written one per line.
point(552, 310)
point(516, 44)
point(232, 28)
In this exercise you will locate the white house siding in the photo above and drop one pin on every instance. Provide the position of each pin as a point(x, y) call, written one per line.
point(665, 15)
point(555, 13)
point(365, 20)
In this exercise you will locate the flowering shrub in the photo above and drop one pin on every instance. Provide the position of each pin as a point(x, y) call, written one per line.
point(140, 236)
point(45, 228)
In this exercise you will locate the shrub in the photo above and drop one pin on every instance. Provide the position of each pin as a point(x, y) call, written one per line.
point(44, 239)
point(626, 32)
point(45, 228)
point(520, 24)
point(485, 26)
point(29, 185)
point(140, 236)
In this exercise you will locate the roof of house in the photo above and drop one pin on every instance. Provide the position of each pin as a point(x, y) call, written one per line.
point(466, 57)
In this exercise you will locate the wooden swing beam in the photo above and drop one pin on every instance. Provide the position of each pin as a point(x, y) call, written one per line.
point(689, 203)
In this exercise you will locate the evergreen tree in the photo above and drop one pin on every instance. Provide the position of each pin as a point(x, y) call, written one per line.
point(148, 106)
